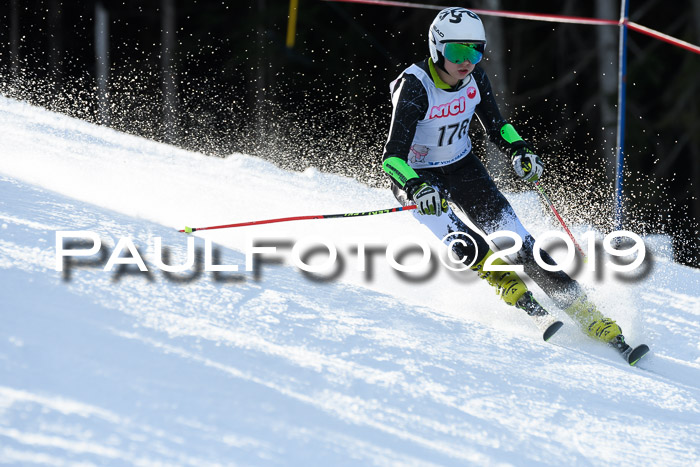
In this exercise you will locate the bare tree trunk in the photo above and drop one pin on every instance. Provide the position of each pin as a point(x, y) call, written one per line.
point(102, 62)
point(260, 123)
point(497, 163)
point(55, 44)
point(606, 42)
point(496, 58)
point(170, 102)
point(14, 39)
point(695, 179)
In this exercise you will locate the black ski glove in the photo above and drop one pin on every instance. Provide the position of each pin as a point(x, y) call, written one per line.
point(526, 163)
point(426, 197)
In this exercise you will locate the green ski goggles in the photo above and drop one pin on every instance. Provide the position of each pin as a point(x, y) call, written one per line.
point(458, 52)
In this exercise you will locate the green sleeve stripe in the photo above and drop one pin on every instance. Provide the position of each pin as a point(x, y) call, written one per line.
point(509, 134)
point(399, 170)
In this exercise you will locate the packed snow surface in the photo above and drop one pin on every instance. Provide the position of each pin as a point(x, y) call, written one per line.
point(275, 366)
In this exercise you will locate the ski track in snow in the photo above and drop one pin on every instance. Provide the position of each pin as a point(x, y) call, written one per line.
point(191, 369)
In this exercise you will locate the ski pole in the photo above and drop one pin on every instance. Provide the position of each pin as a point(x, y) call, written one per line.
point(561, 221)
point(300, 218)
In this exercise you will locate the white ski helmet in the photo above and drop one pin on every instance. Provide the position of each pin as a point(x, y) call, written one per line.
point(457, 25)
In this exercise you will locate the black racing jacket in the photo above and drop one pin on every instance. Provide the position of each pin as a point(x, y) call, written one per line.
point(412, 106)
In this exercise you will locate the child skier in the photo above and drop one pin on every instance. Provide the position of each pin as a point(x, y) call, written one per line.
point(433, 104)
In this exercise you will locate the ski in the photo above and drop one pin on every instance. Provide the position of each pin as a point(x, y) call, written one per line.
point(548, 324)
point(631, 354)
point(545, 322)
point(637, 353)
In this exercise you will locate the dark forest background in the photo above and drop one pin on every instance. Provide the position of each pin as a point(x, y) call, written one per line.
point(218, 77)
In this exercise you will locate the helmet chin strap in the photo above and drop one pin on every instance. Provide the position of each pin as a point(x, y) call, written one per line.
point(441, 62)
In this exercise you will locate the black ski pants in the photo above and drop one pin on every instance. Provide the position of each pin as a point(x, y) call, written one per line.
point(469, 187)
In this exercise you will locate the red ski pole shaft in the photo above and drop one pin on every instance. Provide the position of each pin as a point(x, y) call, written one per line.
point(561, 221)
point(300, 218)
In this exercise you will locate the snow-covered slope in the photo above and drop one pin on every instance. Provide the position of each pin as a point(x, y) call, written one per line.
point(272, 367)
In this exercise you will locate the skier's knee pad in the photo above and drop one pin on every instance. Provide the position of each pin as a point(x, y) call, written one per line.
point(467, 245)
point(470, 248)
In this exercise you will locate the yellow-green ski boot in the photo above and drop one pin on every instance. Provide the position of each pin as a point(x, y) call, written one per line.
point(594, 324)
point(511, 288)
point(604, 329)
